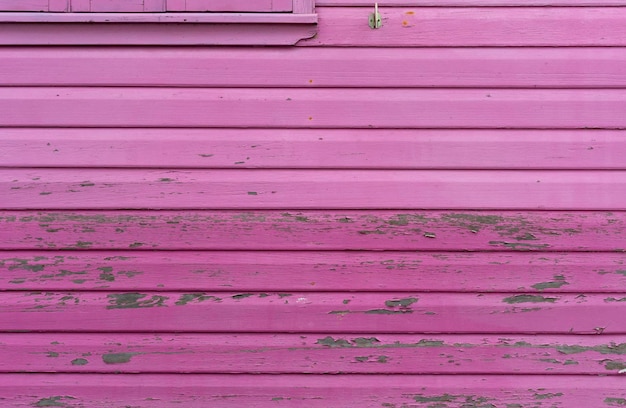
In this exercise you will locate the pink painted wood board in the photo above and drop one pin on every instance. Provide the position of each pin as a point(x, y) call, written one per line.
point(313, 149)
point(402, 27)
point(311, 189)
point(304, 312)
point(347, 391)
point(312, 108)
point(458, 26)
point(519, 272)
point(311, 353)
point(238, 211)
point(470, 3)
point(565, 67)
point(159, 29)
point(314, 230)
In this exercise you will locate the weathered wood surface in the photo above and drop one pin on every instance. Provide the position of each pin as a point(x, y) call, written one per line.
point(346, 391)
point(308, 312)
point(312, 108)
point(589, 67)
point(314, 230)
point(521, 272)
point(475, 27)
point(311, 353)
point(319, 148)
point(65, 189)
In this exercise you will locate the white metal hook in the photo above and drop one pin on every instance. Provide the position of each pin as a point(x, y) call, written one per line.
point(375, 20)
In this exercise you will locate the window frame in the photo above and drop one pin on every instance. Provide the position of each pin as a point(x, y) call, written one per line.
point(59, 25)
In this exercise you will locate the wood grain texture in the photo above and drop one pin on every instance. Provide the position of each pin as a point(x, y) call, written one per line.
point(454, 27)
point(520, 272)
point(311, 353)
point(309, 149)
point(590, 67)
point(312, 108)
point(311, 189)
point(304, 312)
point(348, 391)
point(314, 230)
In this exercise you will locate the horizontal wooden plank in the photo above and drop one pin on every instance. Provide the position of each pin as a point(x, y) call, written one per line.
point(314, 271)
point(158, 29)
point(307, 148)
point(314, 391)
point(330, 312)
point(470, 3)
point(311, 353)
point(587, 67)
point(311, 189)
point(312, 108)
point(240, 19)
point(314, 230)
point(454, 27)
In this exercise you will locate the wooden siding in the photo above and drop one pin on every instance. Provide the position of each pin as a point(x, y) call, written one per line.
point(431, 214)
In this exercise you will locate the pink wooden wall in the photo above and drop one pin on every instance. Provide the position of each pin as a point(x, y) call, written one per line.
point(431, 214)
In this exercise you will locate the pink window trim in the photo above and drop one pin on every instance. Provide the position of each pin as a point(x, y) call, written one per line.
point(155, 28)
point(215, 18)
point(146, 6)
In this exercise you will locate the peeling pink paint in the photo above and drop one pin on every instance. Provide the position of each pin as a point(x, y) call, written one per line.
point(427, 214)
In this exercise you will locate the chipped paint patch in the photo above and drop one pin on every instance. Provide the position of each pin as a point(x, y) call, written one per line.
point(518, 245)
point(472, 401)
point(528, 299)
point(613, 365)
point(557, 282)
point(612, 348)
point(373, 342)
point(331, 342)
point(366, 342)
point(406, 302)
point(134, 301)
point(117, 358)
point(242, 296)
point(56, 401)
point(106, 274)
point(195, 298)
point(548, 395)
point(387, 311)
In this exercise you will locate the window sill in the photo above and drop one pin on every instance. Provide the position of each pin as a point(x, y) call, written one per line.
point(25, 28)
